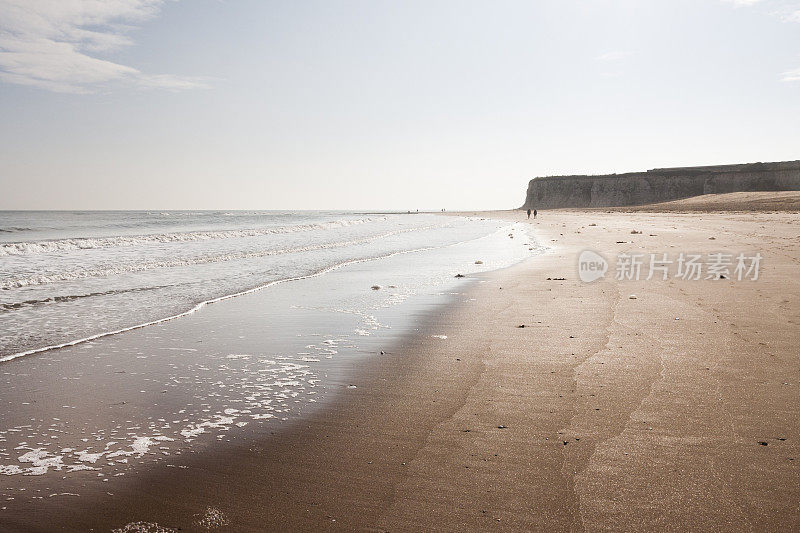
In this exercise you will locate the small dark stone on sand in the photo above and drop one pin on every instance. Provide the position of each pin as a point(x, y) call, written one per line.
point(459, 275)
point(763, 443)
point(521, 326)
point(502, 427)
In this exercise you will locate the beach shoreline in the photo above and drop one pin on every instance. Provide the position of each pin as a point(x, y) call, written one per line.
point(620, 405)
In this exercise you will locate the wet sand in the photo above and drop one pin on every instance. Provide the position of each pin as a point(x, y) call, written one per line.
point(674, 410)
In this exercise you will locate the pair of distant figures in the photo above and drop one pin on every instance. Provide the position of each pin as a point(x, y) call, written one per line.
point(529, 213)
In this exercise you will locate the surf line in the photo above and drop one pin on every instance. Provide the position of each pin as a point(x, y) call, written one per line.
point(202, 304)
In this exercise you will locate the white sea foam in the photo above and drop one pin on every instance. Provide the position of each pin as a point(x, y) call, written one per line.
point(203, 304)
point(142, 266)
point(219, 422)
point(211, 518)
point(87, 457)
point(141, 445)
point(87, 243)
point(10, 470)
point(79, 467)
point(144, 527)
point(41, 462)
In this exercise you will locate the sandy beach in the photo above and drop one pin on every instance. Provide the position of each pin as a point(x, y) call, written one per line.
point(399, 266)
point(620, 405)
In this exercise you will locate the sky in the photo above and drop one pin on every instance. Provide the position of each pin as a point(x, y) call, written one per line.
point(374, 104)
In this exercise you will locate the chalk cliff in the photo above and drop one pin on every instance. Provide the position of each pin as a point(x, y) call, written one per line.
point(659, 185)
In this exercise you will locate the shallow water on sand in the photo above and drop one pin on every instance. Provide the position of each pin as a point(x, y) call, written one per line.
point(66, 276)
point(78, 419)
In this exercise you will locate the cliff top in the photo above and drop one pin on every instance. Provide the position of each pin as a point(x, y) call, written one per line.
point(688, 171)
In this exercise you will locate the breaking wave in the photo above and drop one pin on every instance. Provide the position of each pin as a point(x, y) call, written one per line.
point(201, 260)
point(14, 229)
point(69, 297)
point(87, 243)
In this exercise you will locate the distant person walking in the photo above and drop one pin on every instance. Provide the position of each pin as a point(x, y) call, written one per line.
point(529, 214)
point(534, 214)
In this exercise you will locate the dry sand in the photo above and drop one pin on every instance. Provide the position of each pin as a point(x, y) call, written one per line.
point(603, 412)
point(746, 202)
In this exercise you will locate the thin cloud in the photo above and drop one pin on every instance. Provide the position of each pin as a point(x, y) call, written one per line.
point(743, 2)
point(792, 14)
point(51, 44)
point(792, 75)
point(614, 56)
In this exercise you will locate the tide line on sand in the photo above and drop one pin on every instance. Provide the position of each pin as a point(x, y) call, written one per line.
point(202, 304)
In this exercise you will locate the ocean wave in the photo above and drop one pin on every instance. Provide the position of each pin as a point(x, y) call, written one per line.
point(200, 305)
point(69, 297)
point(200, 260)
point(264, 285)
point(14, 229)
point(88, 243)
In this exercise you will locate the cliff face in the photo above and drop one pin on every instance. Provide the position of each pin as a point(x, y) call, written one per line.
point(659, 185)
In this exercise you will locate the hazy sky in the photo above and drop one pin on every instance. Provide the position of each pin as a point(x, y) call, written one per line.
point(253, 104)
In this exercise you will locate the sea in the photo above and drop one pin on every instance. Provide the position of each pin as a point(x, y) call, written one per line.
point(131, 338)
point(66, 276)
